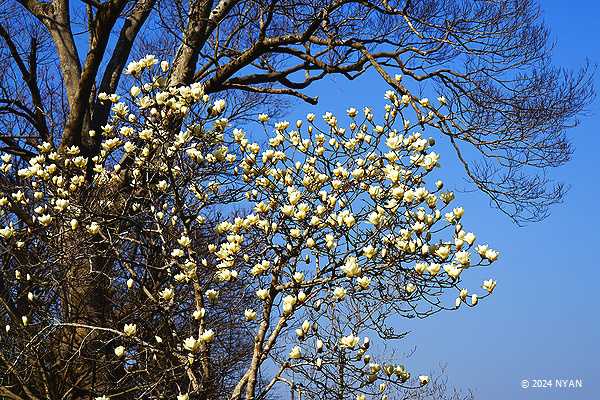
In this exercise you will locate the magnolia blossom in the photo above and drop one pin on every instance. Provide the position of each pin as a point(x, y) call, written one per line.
point(351, 267)
point(130, 329)
point(463, 257)
point(93, 228)
point(421, 267)
point(199, 314)
point(489, 285)
point(250, 315)
point(296, 353)
point(469, 238)
point(191, 344)
point(339, 293)
point(288, 304)
point(363, 282)
point(218, 106)
point(119, 351)
point(453, 271)
point(491, 255)
point(341, 219)
point(443, 252)
point(349, 341)
point(45, 220)
point(167, 294)
point(262, 294)
point(207, 336)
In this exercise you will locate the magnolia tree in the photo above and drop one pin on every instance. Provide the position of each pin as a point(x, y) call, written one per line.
point(185, 260)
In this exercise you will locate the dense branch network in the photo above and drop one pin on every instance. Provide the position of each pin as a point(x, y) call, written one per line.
point(145, 286)
point(144, 240)
point(491, 60)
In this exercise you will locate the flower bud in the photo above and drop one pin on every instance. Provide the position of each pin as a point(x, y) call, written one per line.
point(119, 351)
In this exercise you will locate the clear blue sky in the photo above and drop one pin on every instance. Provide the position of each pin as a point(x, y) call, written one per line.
point(543, 321)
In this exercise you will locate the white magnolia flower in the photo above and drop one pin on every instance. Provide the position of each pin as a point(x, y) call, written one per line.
point(135, 91)
point(301, 296)
point(453, 271)
point(184, 241)
point(298, 277)
point(469, 238)
point(296, 353)
point(463, 257)
point(262, 294)
point(442, 252)
point(207, 336)
point(45, 220)
point(491, 255)
point(167, 294)
point(281, 126)
point(489, 285)
point(349, 341)
point(93, 228)
point(351, 267)
point(339, 293)
point(218, 107)
point(363, 282)
point(250, 315)
point(288, 304)
point(191, 344)
point(319, 345)
point(369, 251)
point(394, 142)
point(198, 314)
point(421, 267)
point(130, 329)
point(119, 351)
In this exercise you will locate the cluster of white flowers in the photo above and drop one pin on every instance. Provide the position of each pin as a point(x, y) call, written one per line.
point(340, 216)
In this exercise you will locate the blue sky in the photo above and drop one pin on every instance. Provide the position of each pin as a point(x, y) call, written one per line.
point(542, 322)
